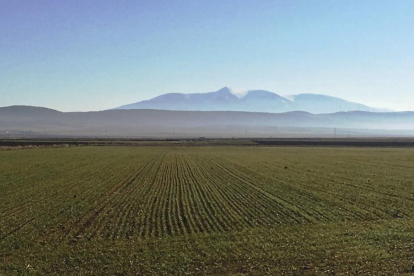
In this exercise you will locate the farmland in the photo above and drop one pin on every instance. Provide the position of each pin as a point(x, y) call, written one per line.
point(224, 210)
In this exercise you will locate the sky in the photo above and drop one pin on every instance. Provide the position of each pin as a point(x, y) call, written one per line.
point(84, 55)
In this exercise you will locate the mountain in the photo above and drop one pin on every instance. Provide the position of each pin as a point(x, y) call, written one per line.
point(222, 100)
point(316, 103)
point(21, 120)
point(227, 99)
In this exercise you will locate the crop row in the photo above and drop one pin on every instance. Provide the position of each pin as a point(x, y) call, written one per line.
point(141, 193)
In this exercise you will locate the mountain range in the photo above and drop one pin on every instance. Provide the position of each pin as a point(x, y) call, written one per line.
point(227, 99)
point(223, 113)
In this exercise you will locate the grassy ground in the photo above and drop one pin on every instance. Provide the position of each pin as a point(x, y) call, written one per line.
point(210, 210)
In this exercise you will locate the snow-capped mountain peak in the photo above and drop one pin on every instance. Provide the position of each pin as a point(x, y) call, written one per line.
point(239, 93)
point(231, 99)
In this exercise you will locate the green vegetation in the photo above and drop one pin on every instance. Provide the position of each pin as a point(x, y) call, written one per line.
point(225, 210)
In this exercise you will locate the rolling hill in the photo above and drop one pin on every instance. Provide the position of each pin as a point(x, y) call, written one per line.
point(154, 123)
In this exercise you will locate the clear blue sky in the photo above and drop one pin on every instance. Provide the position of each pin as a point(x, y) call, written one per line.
point(93, 55)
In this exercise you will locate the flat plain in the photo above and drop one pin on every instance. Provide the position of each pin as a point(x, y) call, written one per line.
point(211, 210)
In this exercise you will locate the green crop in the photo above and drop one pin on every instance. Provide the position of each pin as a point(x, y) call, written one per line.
point(224, 210)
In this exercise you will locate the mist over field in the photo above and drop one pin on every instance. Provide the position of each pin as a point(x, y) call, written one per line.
point(33, 121)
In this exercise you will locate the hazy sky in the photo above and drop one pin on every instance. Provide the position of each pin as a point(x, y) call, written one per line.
point(94, 55)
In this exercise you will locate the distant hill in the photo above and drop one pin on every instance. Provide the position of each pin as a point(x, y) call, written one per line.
point(227, 99)
point(28, 111)
point(154, 123)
